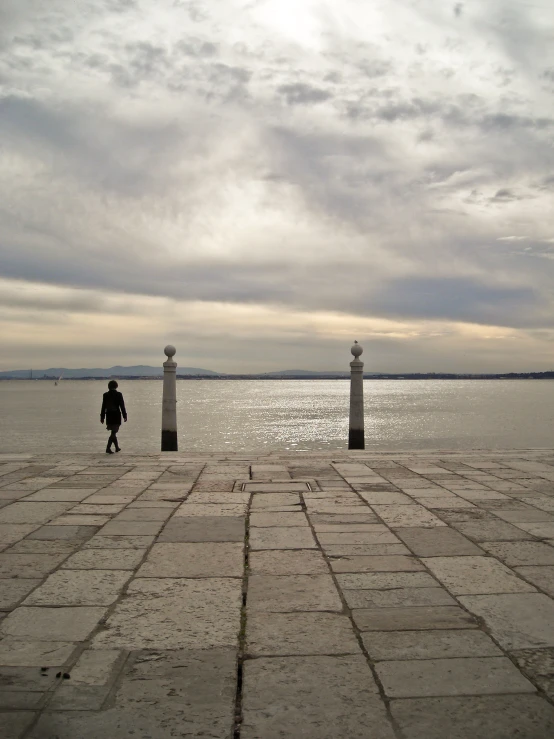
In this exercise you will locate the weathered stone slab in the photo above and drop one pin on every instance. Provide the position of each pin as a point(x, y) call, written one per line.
point(287, 562)
point(18, 652)
point(399, 597)
point(528, 514)
point(74, 520)
point(539, 665)
point(51, 624)
point(385, 580)
point(383, 497)
point(263, 520)
point(119, 542)
point(14, 590)
point(14, 723)
point(162, 695)
point(37, 513)
point(79, 588)
point(436, 502)
point(11, 533)
point(143, 514)
point(56, 533)
point(515, 621)
point(216, 498)
point(327, 696)
point(50, 495)
point(544, 530)
point(221, 559)
point(174, 613)
point(438, 541)
point(281, 537)
point(407, 516)
point(491, 531)
point(204, 528)
point(433, 644)
point(274, 634)
point(105, 559)
point(206, 510)
point(96, 509)
point(483, 717)
point(95, 666)
point(270, 500)
point(288, 593)
point(412, 619)
point(364, 515)
point(542, 577)
point(521, 552)
point(435, 677)
point(364, 550)
point(381, 535)
point(131, 528)
point(33, 566)
point(377, 563)
point(475, 575)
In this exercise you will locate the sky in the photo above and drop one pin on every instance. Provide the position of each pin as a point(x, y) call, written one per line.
point(260, 182)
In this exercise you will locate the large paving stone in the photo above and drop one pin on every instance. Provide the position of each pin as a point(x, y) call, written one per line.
point(271, 500)
point(203, 559)
point(544, 530)
point(379, 535)
point(483, 717)
point(515, 553)
point(287, 562)
point(456, 676)
point(38, 513)
point(274, 634)
point(24, 652)
point(475, 575)
point(14, 723)
point(276, 487)
point(11, 533)
point(33, 566)
point(261, 520)
point(59, 494)
point(131, 528)
point(412, 619)
point(327, 697)
point(434, 644)
point(163, 695)
point(491, 531)
point(385, 563)
point(365, 515)
point(105, 559)
point(399, 597)
point(95, 666)
point(365, 550)
point(14, 590)
point(204, 528)
point(143, 514)
point(188, 510)
point(400, 516)
point(383, 497)
point(52, 624)
point(286, 593)
point(515, 621)
point(528, 514)
point(282, 537)
point(538, 664)
point(542, 577)
point(175, 613)
point(202, 497)
point(436, 542)
point(119, 542)
point(80, 588)
point(55, 533)
point(385, 580)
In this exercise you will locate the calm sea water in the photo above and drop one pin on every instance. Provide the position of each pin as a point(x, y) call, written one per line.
point(251, 415)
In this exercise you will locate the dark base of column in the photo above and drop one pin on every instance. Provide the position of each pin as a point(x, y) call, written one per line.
point(356, 439)
point(169, 441)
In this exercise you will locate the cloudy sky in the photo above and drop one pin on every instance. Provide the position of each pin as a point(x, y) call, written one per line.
point(260, 182)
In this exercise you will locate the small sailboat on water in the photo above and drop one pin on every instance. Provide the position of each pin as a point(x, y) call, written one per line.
point(59, 378)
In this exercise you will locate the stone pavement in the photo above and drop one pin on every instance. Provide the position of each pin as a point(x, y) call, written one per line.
point(357, 595)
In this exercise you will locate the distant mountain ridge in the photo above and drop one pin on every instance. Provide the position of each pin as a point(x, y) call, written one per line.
point(138, 370)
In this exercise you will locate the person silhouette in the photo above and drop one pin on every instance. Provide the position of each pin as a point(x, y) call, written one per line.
point(113, 407)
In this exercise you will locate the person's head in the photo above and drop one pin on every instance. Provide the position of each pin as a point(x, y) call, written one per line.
point(112, 385)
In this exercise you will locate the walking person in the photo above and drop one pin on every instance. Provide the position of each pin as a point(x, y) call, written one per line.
point(113, 407)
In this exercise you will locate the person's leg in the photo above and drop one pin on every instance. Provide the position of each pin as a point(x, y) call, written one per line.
point(117, 447)
point(109, 445)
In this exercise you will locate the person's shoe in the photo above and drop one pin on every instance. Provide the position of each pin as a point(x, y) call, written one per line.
point(108, 450)
point(118, 449)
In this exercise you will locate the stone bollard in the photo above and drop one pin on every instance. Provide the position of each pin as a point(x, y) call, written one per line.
point(169, 402)
point(356, 428)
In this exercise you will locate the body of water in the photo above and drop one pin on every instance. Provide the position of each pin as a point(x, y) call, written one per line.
point(255, 415)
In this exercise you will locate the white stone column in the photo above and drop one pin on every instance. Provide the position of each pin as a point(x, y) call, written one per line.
point(356, 426)
point(169, 402)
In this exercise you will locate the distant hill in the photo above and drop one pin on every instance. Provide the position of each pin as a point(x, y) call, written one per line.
point(139, 370)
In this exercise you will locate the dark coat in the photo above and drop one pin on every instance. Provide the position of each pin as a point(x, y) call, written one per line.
point(113, 407)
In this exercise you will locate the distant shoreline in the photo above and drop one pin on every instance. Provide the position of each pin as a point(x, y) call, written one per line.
point(346, 376)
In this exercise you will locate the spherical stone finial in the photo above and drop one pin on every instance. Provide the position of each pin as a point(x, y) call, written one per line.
point(169, 351)
point(356, 349)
